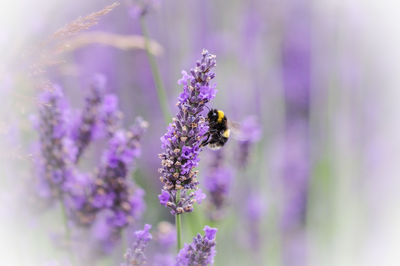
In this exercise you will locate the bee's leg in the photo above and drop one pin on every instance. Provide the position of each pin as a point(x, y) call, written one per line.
point(206, 141)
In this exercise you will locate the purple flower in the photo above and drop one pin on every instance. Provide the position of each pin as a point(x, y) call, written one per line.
point(111, 189)
point(186, 152)
point(296, 80)
point(144, 235)
point(250, 129)
point(255, 209)
point(165, 239)
point(201, 251)
point(56, 151)
point(90, 115)
point(166, 235)
point(77, 186)
point(164, 260)
point(218, 182)
point(100, 116)
point(105, 201)
point(101, 230)
point(164, 198)
point(140, 8)
point(110, 116)
point(184, 135)
point(250, 132)
point(135, 255)
point(207, 92)
point(210, 232)
point(136, 202)
point(199, 196)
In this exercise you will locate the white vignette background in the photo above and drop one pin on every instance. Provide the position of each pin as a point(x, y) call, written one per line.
point(378, 33)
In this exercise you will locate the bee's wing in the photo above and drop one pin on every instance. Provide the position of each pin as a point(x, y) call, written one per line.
point(236, 130)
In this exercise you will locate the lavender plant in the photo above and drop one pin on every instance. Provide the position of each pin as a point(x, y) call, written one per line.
point(139, 8)
point(250, 132)
point(182, 141)
point(166, 235)
point(296, 163)
point(110, 116)
point(105, 200)
point(135, 255)
point(201, 251)
point(111, 189)
point(217, 182)
point(254, 211)
point(57, 153)
point(90, 115)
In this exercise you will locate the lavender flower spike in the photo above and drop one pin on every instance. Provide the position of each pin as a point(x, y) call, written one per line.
point(182, 141)
point(57, 151)
point(218, 182)
point(140, 8)
point(90, 115)
point(111, 189)
point(135, 255)
point(250, 132)
point(201, 251)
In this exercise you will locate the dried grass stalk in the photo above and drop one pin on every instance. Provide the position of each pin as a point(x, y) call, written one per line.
point(82, 23)
point(46, 55)
point(119, 41)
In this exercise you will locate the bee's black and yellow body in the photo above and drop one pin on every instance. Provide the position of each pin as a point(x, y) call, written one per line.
point(218, 133)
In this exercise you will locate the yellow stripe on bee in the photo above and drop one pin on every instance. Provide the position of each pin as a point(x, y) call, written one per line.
point(220, 116)
point(226, 133)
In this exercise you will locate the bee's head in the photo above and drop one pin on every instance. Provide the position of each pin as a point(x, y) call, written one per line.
point(212, 115)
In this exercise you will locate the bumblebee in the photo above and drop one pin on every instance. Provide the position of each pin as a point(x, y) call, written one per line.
point(218, 133)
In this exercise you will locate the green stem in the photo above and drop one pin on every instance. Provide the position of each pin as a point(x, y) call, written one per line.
point(67, 229)
point(178, 224)
point(65, 220)
point(178, 231)
point(162, 96)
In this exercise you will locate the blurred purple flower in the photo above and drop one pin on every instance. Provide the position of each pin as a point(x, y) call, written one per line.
point(296, 73)
point(84, 131)
point(135, 255)
point(110, 116)
point(100, 230)
point(164, 260)
point(56, 150)
point(296, 167)
point(166, 235)
point(250, 132)
point(164, 197)
point(139, 8)
point(165, 240)
point(199, 196)
point(111, 189)
point(201, 251)
point(210, 232)
point(218, 182)
point(255, 208)
point(182, 141)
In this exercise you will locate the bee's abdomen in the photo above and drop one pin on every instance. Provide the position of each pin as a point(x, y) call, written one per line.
point(217, 142)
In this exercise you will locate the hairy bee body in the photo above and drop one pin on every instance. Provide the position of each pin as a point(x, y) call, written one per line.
point(218, 133)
